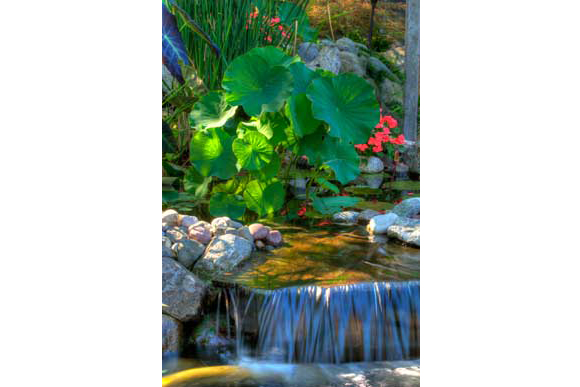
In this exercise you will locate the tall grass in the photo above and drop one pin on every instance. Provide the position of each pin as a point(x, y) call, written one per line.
point(227, 24)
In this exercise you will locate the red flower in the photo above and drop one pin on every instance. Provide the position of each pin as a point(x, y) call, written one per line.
point(269, 39)
point(391, 122)
point(274, 21)
point(281, 28)
point(378, 148)
point(374, 141)
point(398, 201)
point(361, 147)
point(301, 211)
point(400, 140)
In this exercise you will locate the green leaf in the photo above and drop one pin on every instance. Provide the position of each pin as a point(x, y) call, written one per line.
point(264, 198)
point(299, 110)
point(327, 184)
point(342, 158)
point(251, 82)
point(272, 125)
point(303, 76)
point(269, 171)
point(211, 153)
point(348, 104)
point(253, 151)
point(192, 180)
point(274, 56)
point(333, 204)
point(229, 187)
point(223, 204)
point(310, 146)
point(212, 111)
point(290, 12)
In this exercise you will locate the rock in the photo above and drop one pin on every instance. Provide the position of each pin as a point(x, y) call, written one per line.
point(365, 216)
point(220, 223)
point(260, 245)
point(396, 55)
point(171, 333)
point(377, 69)
point(373, 165)
point(347, 45)
point(407, 222)
point(327, 59)
point(258, 231)
point(182, 291)
point(308, 51)
point(202, 223)
point(380, 223)
point(165, 226)
point(175, 234)
point(245, 233)
point(274, 238)
point(408, 208)
point(200, 234)
point(390, 92)
point(224, 253)
point(378, 238)
point(166, 250)
point(235, 224)
point(188, 251)
point(409, 235)
point(349, 63)
point(188, 220)
point(298, 187)
point(170, 217)
point(204, 335)
point(402, 170)
point(345, 217)
point(373, 180)
point(224, 231)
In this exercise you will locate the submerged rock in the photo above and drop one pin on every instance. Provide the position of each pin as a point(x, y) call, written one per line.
point(409, 235)
point(182, 291)
point(345, 217)
point(224, 253)
point(408, 208)
point(171, 336)
point(380, 223)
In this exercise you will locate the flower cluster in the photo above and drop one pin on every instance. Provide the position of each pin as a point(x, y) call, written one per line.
point(382, 135)
point(273, 22)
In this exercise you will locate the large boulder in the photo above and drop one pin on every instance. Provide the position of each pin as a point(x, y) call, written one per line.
point(188, 251)
point(406, 234)
point(390, 92)
point(350, 63)
point(347, 45)
point(182, 291)
point(171, 336)
point(170, 217)
point(328, 58)
point(224, 253)
point(308, 51)
point(408, 208)
point(380, 223)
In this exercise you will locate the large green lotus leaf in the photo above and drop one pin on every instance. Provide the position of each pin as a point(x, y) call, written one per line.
point(264, 198)
point(333, 204)
point(253, 151)
point(274, 56)
point(269, 171)
point(348, 104)
point(310, 145)
point(302, 77)
point(211, 111)
point(251, 82)
point(273, 125)
point(341, 157)
point(211, 153)
point(299, 110)
point(223, 204)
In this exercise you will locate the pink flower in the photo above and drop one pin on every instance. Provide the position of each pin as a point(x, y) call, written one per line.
point(280, 28)
point(275, 20)
point(378, 148)
point(269, 39)
point(391, 122)
point(400, 140)
point(361, 147)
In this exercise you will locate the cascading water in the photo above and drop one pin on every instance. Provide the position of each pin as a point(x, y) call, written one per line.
point(358, 322)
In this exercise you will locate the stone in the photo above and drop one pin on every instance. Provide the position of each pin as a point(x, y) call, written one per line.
point(182, 291)
point(188, 220)
point(308, 51)
point(204, 335)
point(236, 225)
point(171, 333)
point(200, 234)
point(327, 59)
point(373, 180)
point(202, 223)
point(224, 253)
point(220, 223)
point(380, 223)
point(166, 250)
point(365, 216)
point(260, 245)
point(345, 217)
point(407, 222)
point(170, 217)
point(347, 45)
point(245, 233)
point(175, 234)
point(390, 92)
point(165, 226)
point(188, 251)
point(408, 208)
point(373, 165)
point(350, 63)
point(274, 238)
point(224, 231)
point(408, 235)
point(258, 231)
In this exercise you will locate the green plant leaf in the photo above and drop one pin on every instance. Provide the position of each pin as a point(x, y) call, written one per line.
point(211, 153)
point(299, 110)
point(251, 82)
point(264, 198)
point(229, 187)
point(211, 111)
point(223, 204)
point(269, 171)
point(348, 104)
point(274, 56)
point(342, 158)
point(302, 77)
point(333, 204)
point(273, 125)
point(253, 151)
point(327, 184)
point(192, 179)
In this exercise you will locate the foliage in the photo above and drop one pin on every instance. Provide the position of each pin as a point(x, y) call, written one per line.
point(285, 111)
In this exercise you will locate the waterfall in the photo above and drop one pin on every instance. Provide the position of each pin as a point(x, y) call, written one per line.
point(312, 324)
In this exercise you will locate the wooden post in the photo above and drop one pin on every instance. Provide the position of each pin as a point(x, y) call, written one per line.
point(411, 70)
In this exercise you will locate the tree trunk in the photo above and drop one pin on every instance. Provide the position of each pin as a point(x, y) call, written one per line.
point(411, 70)
point(370, 38)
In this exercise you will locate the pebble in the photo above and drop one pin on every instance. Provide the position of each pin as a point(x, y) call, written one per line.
point(259, 231)
point(274, 238)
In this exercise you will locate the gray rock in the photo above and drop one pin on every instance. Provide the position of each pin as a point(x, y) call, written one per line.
point(365, 216)
point(373, 165)
point(245, 233)
point(202, 223)
point(345, 217)
point(350, 63)
point(175, 234)
point(373, 180)
point(205, 337)
point(407, 222)
point(274, 238)
point(260, 245)
point(166, 250)
point(327, 59)
point(327, 42)
point(347, 45)
point(308, 51)
point(258, 231)
point(188, 251)
point(170, 217)
point(171, 331)
point(409, 235)
point(220, 223)
point(224, 253)
point(165, 226)
point(188, 220)
point(200, 234)
point(235, 224)
point(380, 223)
point(182, 291)
point(390, 92)
point(408, 208)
